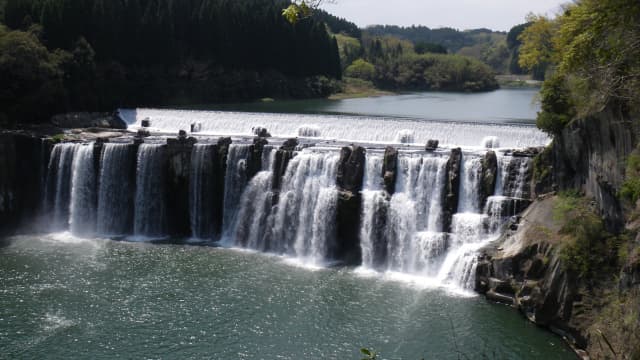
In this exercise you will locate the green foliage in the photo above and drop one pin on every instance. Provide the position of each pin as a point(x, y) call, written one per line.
point(31, 77)
point(57, 138)
point(422, 47)
point(368, 354)
point(361, 69)
point(103, 54)
point(630, 189)
point(557, 108)
point(595, 46)
point(537, 51)
point(543, 166)
point(588, 250)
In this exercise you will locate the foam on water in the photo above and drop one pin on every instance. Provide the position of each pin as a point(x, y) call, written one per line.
point(347, 128)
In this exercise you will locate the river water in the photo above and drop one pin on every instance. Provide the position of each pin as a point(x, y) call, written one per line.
point(64, 297)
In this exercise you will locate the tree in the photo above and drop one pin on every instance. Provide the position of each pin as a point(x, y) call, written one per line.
point(537, 50)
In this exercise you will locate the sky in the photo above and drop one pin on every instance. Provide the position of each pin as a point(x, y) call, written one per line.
point(498, 15)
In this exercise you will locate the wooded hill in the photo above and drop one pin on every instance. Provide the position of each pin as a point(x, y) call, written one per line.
point(101, 54)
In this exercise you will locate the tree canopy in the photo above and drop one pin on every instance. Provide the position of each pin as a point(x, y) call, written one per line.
point(594, 50)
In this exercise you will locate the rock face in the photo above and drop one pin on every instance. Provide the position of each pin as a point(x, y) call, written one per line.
point(489, 176)
point(590, 154)
point(350, 177)
point(87, 120)
point(23, 160)
point(178, 169)
point(389, 169)
point(452, 188)
point(526, 271)
point(526, 267)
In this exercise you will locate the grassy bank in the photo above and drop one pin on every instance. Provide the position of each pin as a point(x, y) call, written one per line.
point(357, 88)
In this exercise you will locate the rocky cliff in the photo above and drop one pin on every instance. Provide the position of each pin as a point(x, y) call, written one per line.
point(571, 262)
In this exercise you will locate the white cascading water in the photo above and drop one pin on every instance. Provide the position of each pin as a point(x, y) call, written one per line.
point(255, 207)
point(406, 136)
point(116, 189)
point(309, 131)
point(347, 128)
point(83, 192)
point(414, 221)
point(150, 207)
point(308, 194)
point(201, 177)
point(234, 184)
point(58, 188)
point(404, 233)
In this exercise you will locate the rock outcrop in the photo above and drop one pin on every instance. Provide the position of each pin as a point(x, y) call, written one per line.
point(177, 188)
point(452, 188)
point(489, 176)
point(390, 169)
point(350, 178)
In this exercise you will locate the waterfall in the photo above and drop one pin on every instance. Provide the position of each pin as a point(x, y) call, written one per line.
point(234, 184)
point(83, 193)
point(308, 194)
point(515, 177)
point(405, 232)
point(373, 173)
point(58, 187)
point(256, 204)
point(470, 184)
point(201, 203)
point(115, 199)
point(150, 212)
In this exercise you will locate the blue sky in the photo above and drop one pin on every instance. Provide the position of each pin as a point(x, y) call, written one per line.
point(460, 14)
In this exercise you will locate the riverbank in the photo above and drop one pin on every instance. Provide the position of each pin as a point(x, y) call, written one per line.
point(353, 88)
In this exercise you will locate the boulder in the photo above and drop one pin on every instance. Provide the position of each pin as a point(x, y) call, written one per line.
point(432, 145)
point(261, 132)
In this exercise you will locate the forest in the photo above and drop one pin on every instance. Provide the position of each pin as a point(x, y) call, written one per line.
point(60, 55)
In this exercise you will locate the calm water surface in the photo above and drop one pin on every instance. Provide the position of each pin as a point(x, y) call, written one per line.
point(500, 106)
point(99, 299)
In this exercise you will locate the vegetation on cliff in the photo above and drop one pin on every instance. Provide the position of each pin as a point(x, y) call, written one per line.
point(590, 106)
point(593, 52)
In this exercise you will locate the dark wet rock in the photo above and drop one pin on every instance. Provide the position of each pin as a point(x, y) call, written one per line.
point(177, 187)
point(452, 187)
point(254, 162)
point(23, 167)
point(261, 132)
point(489, 176)
point(350, 177)
point(86, 120)
point(182, 134)
point(142, 133)
point(347, 247)
point(432, 145)
point(145, 123)
point(389, 169)
point(283, 155)
point(351, 169)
